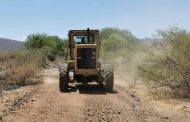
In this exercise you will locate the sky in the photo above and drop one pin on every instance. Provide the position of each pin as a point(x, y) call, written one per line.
point(19, 18)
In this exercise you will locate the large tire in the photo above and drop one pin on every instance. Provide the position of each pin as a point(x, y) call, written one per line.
point(107, 76)
point(63, 77)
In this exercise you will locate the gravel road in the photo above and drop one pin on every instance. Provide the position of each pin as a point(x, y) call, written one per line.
point(89, 103)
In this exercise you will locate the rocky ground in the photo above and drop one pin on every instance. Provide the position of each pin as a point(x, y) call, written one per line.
point(89, 103)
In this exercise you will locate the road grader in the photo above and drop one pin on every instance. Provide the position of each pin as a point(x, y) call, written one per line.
point(82, 61)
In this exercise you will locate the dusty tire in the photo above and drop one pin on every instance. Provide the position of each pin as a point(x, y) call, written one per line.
point(107, 76)
point(63, 77)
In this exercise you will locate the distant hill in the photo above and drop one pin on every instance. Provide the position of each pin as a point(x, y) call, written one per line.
point(9, 44)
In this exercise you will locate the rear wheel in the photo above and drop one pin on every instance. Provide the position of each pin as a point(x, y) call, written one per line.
point(107, 77)
point(63, 77)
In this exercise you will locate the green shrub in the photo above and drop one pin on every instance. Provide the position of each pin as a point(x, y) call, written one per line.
point(45, 43)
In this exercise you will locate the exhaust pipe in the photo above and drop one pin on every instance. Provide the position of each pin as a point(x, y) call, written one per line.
point(88, 35)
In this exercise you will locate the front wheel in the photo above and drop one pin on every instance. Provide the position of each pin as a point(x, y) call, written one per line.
point(63, 77)
point(107, 76)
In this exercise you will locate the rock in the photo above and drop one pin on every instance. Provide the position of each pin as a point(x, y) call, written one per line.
point(1, 89)
point(184, 107)
point(1, 119)
point(2, 73)
point(137, 99)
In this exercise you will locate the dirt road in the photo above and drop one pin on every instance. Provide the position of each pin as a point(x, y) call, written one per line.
point(87, 103)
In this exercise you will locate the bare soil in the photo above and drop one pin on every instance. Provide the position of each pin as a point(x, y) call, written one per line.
point(89, 103)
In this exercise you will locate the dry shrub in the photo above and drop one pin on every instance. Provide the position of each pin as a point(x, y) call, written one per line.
point(22, 74)
point(160, 93)
point(20, 67)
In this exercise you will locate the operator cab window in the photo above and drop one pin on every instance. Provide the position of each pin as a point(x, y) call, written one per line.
point(83, 40)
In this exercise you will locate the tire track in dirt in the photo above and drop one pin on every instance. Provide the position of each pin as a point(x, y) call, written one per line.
point(143, 112)
point(119, 106)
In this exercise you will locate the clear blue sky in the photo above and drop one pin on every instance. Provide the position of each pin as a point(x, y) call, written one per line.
point(18, 18)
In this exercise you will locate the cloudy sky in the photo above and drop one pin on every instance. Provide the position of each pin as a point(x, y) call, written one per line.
point(18, 18)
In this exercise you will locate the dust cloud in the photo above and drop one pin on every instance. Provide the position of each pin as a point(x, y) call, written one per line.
point(50, 80)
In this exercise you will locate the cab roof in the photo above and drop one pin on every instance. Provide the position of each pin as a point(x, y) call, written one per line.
point(84, 31)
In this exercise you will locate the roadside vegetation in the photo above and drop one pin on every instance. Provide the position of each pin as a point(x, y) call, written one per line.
point(168, 63)
point(19, 68)
point(22, 67)
point(118, 43)
point(162, 64)
point(123, 50)
point(48, 46)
